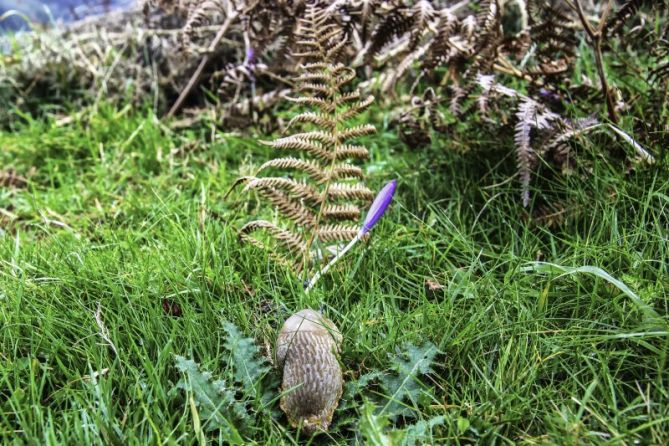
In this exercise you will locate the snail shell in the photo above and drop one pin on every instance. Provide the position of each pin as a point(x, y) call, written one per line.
point(307, 349)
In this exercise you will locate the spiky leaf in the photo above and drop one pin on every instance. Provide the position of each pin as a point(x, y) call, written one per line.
point(213, 399)
point(249, 365)
point(403, 386)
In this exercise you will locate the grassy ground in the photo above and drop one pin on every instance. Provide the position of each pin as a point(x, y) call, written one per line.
point(121, 214)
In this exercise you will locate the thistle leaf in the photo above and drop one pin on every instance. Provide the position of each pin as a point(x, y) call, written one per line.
point(374, 427)
point(249, 366)
point(421, 432)
point(215, 405)
point(404, 385)
point(213, 399)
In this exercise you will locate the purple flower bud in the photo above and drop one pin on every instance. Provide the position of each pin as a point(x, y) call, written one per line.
point(379, 206)
point(250, 56)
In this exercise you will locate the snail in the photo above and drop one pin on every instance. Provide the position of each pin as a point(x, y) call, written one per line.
point(307, 348)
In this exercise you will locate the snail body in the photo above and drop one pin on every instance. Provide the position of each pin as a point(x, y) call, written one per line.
point(306, 350)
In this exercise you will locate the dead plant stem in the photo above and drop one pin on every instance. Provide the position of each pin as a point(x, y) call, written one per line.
point(596, 36)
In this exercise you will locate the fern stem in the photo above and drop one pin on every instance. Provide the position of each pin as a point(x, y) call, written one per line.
point(335, 131)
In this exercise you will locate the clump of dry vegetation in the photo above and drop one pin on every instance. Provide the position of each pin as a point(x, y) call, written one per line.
point(321, 193)
point(435, 60)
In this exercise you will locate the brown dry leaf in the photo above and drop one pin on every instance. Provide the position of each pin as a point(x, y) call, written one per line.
point(248, 289)
point(171, 308)
point(432, 287)
point(11, 178)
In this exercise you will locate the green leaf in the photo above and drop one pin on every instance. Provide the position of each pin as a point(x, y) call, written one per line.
point(373, 428)
point(404, 384)
point(248, 365)
point(421, 432)
point(649, 313)
point(355, 387)
point(212, 397)
point(463, 425)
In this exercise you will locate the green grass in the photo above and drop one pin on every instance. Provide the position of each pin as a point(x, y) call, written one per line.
point(123, 213)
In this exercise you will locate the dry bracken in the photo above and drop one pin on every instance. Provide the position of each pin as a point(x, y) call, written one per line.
point(320, 191)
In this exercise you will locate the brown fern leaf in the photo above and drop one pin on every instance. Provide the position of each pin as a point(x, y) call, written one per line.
point(661, 71)
point(234, 77)
point(423, 15)
point(488, 22)
point(245, 235)
point(524, 152)
point(396, 24)
point(357, 108)
point(415, 123)
point(342, 171)
point(350, 192)
point(336, 233)
point(623, 15)
point(337, 212)
point(317, 136)
point(467, 46)
point(294, 242)
point(355, 132)
point(364, 10)
point(319, 37)
point(199, 14)
point(557, 146)
point(442, 50)
point(530, 115)
point(347, 98)
point(554, 35)
point(286, 185)
point(289, 207)
point(317, 199)
point(302, 144)
point(342, 75)
point(312, 168)
point(312, 102)
point(318, 119)
point(351, 151)
point(249, 111)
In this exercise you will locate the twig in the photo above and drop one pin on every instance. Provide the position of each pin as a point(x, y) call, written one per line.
point(595, 36)
point(231, 16)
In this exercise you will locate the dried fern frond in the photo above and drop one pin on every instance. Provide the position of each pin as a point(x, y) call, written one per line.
point(661, 50)
point(396, 24)
point(623, 14)
point(200, 13)
point(318, 199)
point(553, 35)
point(196, 14)
point(530, 115)
point(535, 118)
point(234, 77)
point(415, 123)
point(442, 50)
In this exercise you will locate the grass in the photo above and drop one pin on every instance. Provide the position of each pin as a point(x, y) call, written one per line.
point(121, 213)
